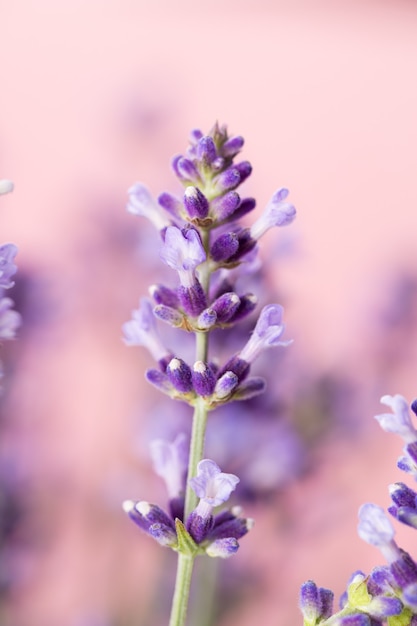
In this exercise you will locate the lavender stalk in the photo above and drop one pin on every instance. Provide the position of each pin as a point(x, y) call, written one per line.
point(202, 240)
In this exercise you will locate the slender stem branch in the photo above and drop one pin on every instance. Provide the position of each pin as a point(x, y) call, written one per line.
point(196, 452)
point(182, 590)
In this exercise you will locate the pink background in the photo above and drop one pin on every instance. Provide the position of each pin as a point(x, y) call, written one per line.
point(96, 95)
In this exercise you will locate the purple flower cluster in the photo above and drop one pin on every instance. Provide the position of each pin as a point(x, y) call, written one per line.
point(389, 593)
point(215, 535)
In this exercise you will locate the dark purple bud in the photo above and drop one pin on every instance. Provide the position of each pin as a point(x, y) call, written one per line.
point(195, 135)
point(153, 520)
point(414, 406)
point(192, 299)
point(195, 202)
point(411, 450)
point(235, 527)
point(226, 306)
point(168, 315)
point(159, 380)
point(245, 170)
point(379, 581)
point(206, 150)
point(198, 526)
point(404, 570)
point(246, 242)
point(311, 602)
point(179, 375)
point(207, 319)
point(170, 203)
point(164, 295)
point(163, 534)
point(250, 388)
point(225, 247)
point(204, 380)
point(246, 206)
point(238, 366)
point(402, 495)
point(232, 146)
point(185, 169)
point(247, 304)
point(176, 507)
point(225, 385)
point(227, 180)
point(225, 206)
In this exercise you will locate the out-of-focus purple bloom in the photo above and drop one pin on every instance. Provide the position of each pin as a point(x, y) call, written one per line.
point(6, 186)
point(399, 421)
point(9, 319)
point(267, 333)
point(183, 252)
point(8, 269)
point(141, 330)
point(277, 213)
point(376, 529)
point(170, 460)
point(141, 203)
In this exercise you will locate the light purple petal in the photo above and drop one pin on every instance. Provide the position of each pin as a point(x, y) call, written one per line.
point(141, 203)
point(399, 421)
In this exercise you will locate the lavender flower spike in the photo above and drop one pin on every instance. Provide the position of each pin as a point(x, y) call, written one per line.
point(141, 203)
point(376, 529)
point(183, 251)
point(6, 186)
point(266, 334)
point(141, 331)
point(212, 486)
point(277, 213)
point(399, 421)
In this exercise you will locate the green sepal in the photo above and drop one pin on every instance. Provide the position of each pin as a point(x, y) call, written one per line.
point(404, 619)
point(358, 594)
point(186, 544)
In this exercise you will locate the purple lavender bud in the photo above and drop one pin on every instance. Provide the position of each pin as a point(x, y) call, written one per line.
point(159, 380)
point(235, 527)
point(206, 150)
point(376, 529)
point(404, 570)
point(141, 330)
point(169, 315)
point(246, 206)
point(8, 269)
point(238, 366)
point(315, 602)
point(170, 461)
point(245, 170)
point(232, 146)
point(224, 247)
point(10, 320)
point(207, 319)
point(356, 619)
point(225, 206)
point(267, 333)
point(402, 495)
point(192, 299)
point(277, 213)
point(171, 204)
point(399, 421)
point(164, 295)
point(212, 486)
point(380, 581)
point(247, 304)
point(225, 385)
point(413, 406)
point(195, 135)
point(204, 380)
point(199, 526)
point(227, 180)
point(179, 375)
point(183, 251)
point(6, 186)
point(141, 203)
point(226, 306)
point(250, 388)
point(153, 520)
point(185, 170)
point(222, 548)
point(195, 203)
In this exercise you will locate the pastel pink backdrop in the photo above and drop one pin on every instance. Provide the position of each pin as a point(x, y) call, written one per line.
point(96, 95)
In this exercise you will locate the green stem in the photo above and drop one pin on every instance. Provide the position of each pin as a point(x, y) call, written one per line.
point(186, 562)
point(182, 590)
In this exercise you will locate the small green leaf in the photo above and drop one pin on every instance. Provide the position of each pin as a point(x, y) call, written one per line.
point(186, 544)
